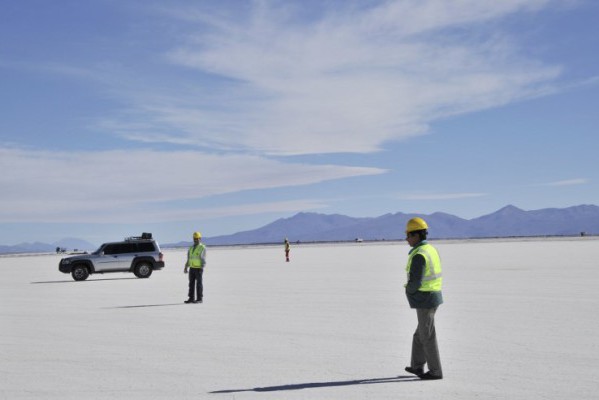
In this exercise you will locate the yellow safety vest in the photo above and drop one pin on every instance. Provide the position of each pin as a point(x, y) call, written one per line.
point(432, 279)
point(194, 255)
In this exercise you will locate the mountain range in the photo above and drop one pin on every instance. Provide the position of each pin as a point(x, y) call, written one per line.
point(71, 244)
point(509, 221)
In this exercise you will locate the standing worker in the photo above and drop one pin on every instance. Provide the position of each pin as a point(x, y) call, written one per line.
point(196, 262)
point(287, 249)
point(423, 290)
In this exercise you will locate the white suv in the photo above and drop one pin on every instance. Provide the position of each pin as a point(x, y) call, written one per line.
point(138, 254)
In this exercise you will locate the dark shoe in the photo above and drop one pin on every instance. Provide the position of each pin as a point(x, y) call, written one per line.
point(416, 371)
point(188, 301)
point(200, 301)
point(429, 377)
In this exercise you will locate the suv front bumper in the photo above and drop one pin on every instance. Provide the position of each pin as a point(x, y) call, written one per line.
point(64, 268)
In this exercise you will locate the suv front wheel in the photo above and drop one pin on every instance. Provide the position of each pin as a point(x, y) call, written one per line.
point(143, 270)
point(80, 272)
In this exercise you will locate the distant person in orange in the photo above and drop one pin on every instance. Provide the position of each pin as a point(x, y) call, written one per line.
point(287, 249)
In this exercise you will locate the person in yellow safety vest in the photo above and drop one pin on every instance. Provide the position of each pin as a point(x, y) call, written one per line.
point(195, 264)
point(287, 249)
point(423, 290)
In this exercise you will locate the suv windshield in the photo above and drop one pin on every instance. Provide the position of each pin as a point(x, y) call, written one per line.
point(97, 252)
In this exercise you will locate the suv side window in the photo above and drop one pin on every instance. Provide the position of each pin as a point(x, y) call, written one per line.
point(110, 249)
point(119, 248)
point(145, 246)
point(129, 247)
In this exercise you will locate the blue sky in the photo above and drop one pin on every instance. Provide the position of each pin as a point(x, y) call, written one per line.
point(119, 117)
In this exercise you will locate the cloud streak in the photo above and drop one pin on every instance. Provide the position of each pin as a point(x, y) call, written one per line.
point(567, 182)
point(439, 196)
point(50, 186)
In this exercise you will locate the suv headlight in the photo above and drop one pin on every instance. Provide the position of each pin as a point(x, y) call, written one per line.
point(65, 261)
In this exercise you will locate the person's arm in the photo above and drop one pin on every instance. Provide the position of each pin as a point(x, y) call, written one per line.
point(416, 274)
point(186, 262)
point(203, 257)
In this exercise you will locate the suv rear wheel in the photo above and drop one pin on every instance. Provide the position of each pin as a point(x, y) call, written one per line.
point(143, 270)
point(80, 272)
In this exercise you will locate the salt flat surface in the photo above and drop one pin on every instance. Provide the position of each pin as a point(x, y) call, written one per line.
point(519, 322)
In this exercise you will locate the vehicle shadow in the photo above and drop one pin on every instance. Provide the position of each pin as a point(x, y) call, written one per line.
point(148, 305)
point(85, 281)
point(313, 385)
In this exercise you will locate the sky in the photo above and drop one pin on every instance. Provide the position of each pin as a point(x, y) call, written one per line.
point(125, 116)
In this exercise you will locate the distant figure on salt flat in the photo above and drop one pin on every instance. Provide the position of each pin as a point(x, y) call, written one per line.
point(423, 290)
point(196, 262)
point(287, 249)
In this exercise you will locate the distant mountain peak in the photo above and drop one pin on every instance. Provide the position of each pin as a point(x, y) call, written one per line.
point(509, 209)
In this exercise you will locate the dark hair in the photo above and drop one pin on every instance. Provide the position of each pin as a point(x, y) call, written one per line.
point(422, 233)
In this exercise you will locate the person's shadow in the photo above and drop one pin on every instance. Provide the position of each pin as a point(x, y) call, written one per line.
point(313, 385)
point(151, 305)
point(81, 282)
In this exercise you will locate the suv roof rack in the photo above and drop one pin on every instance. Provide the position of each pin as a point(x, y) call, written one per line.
point(144, 235)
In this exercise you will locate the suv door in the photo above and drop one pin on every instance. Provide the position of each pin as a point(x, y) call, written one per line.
point(116, 257)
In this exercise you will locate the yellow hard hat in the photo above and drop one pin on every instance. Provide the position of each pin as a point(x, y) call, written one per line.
point(197, 235)
point(416, 224)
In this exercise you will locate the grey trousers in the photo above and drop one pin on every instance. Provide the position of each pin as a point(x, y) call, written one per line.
point(424, 342)
point(195, 283)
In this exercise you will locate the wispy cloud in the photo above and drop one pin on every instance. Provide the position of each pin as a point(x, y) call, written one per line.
point(567, 182)
point(49, 186)
point(439, 196)
point(280, 78)
point(348, 80)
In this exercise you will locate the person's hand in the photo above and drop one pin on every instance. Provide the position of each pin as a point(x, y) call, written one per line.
point(185, 270)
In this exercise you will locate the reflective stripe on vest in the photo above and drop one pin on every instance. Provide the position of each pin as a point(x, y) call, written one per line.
point(195, 254)
point(432, 278)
